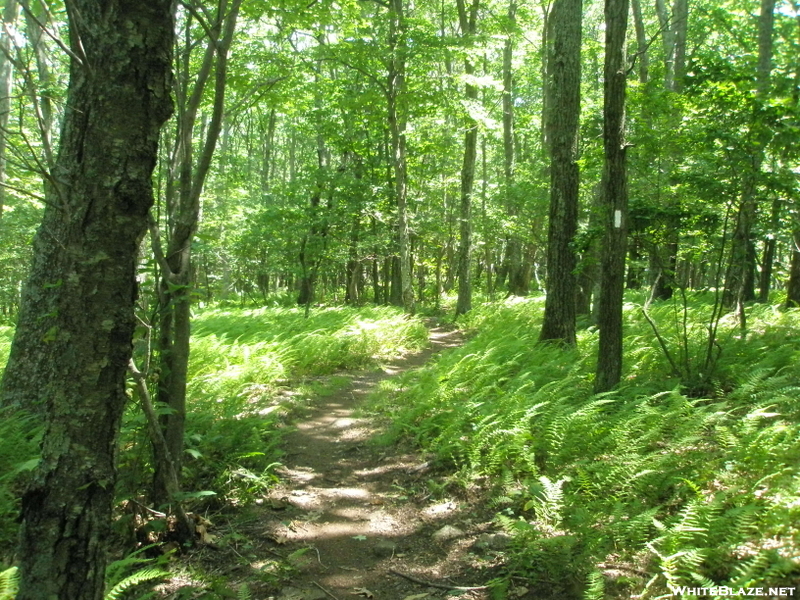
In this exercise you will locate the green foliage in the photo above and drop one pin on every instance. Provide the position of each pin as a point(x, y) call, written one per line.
point(247, 368)
point(126, 575)
point(689, 489)
point(19, 449)
point(6, 335)
point(9, 583)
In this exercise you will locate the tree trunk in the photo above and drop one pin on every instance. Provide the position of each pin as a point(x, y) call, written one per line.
point(793, 287)
point(641, 41)
point(269, 151)
point(6, 86)
point(740, 278)
point(468, 23)
point(73, 340)
point(768, 257)
point(398, 117)
point(176, 262)
point(564, 72)
point(664, 256)
point(615, 200)
point(513, 242)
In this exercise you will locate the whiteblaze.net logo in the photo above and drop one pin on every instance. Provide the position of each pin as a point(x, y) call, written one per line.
point(772, 592)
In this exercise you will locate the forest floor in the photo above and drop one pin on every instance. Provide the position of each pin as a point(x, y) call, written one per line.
point(357, 519)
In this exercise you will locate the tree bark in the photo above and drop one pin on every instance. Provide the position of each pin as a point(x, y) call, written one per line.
point(664, 256)
point(73, 340)
point(564, 71)
point(641, 41)
point(516, 280)
point(768, 257)
point(176, 262)
point(468, 22)
point(6, 85)
point(615, 200)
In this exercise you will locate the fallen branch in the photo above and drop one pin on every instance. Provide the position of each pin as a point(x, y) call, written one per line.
point(440, 586)
point(324, 590)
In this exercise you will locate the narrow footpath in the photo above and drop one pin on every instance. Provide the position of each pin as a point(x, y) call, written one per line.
point(357, 519)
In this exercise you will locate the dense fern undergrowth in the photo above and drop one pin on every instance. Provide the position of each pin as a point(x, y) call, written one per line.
point(626, 493)
point(248, 368)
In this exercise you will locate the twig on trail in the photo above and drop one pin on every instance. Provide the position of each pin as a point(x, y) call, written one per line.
point(324, 590)
point(148, 509)
point(319, 559)
point(440, 586)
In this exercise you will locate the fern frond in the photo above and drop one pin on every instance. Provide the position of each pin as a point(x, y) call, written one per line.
point(142, 576)
point(243, 593)
point(9, 583)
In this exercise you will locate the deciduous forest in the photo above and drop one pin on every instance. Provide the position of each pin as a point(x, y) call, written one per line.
point(475, 299)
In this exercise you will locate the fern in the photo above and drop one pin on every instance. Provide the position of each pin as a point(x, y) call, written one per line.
point(243, 593)
point(595, 586)
point(150, 574)
point(9, 583)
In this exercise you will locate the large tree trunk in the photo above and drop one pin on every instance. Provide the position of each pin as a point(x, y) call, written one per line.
point(468, 21)
point(564, 71)
point(615, 200)
point(73, 340)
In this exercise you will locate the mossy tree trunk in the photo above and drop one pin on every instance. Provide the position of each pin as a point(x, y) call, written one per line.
point(73, 340)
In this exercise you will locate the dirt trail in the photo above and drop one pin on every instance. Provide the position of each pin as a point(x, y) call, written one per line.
point(353, 506)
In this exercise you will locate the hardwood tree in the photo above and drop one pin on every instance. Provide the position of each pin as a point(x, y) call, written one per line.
point(615, 200)
point(740, 278)
point(396, 96)
point(73, 339)
point(564, 87)
point(183, 204)
point(9, 17)
point(664, 253)
point(468, 20)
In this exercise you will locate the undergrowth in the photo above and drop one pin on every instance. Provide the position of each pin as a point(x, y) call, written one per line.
point(247, 368)
point(652, 485)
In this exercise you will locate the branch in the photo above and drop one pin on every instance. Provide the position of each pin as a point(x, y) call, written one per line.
point(80, 60)
point(160, 446)
point(661, 342)
point(193, 11)
point(25, 192)
point(158, 251)
point(439, 585)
